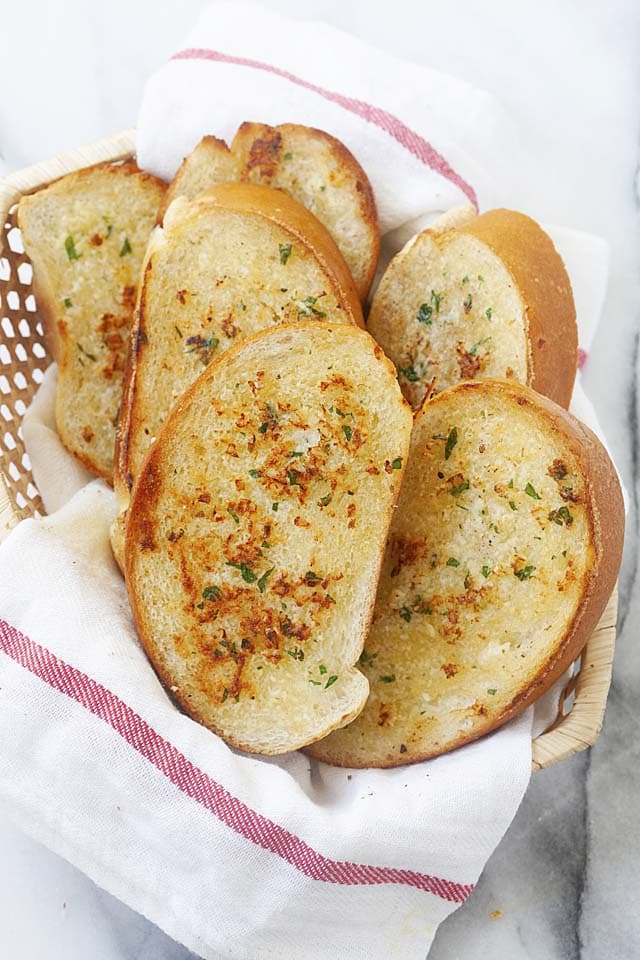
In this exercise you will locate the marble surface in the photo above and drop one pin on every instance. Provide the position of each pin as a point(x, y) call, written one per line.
point(567, 874)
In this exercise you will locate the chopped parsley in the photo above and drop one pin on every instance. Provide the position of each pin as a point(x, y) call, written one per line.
point(262, 582)
point(465, 279)
point(70, 247)
point(388, 678)
point(308, 306)
point(492, 691)
point(322, 668)
point(488, 313)
point(561, 516)
point(452, 562)
point(406, 614)
point(524, 573)
point(312, 579)
point(287, 155)
point(347, 431)
point(255, 474)
point(285, 252)
point(459, 488)
point(512, 504)
point(296, 653)
point(292, 476)
point(409, 373)
point(468, 301)
point(485, 571)
point(366, 659)
point(325, 501)
point(331, 680)
point(212, 592)
point(125, 248)
point(225, 694)
point(474, 349)
point(274, 506)
point(531, 491)
point(67, 302)
point(235, 516)
point(396, 464)
point(452, 439)
point(247, 573)
point(424, 314)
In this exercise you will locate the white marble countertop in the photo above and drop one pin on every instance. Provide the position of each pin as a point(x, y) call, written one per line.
point(567, 875)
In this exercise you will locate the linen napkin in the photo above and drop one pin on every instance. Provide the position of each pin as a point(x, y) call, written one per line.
point(236, 856)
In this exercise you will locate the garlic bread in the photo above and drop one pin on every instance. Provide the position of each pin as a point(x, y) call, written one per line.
point(489, 298)
point(315, 168)
point(257, 528)
point(503, 551)
point(86, 235)
point(237, 259)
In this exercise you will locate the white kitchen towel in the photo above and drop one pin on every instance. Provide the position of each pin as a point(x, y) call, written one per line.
point(232, 855)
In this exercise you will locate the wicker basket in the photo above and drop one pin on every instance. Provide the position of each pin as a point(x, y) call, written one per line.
point(24, 358)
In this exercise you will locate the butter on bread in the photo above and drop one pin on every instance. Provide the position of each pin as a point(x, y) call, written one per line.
point(86, 235)
point(257, 528)
point(503, 551)
point(487, 297)
point(311, 165)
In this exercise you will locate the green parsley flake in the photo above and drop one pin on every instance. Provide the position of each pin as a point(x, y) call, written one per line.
point(488, 313)
point(530, 490)
point(388, 678)
point(459, 488)
point(274, 506)
point(70, 247)
point(325, 501)
point(255, 474)
point(296, 653)
point(67, 302)
point(468, 303)
point(285, 252)
point(485, 571)
point(492, 691)
point(561, 516)
point(347, 431)
point(292, 476)
point(235, 516)
point(452, 562)
point(247, 573)
point(125, 248)
point(524, 573)
point(332, 679)
point(474, 349)
point(452, 439)
point(308, 306)
point(212, 592)
point(512, 504)
point(406, 614)
point(89, 356)
point(322, 668)
point(424, 314)
point(409, 373)
point(396, 464)
point(262, 582)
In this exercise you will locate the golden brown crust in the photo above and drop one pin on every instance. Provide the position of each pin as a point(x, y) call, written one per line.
point(605, 509)
point(530, 256)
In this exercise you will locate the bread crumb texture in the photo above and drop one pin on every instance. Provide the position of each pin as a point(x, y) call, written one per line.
point(257, 530)
point(86, 235)
point(486, 564)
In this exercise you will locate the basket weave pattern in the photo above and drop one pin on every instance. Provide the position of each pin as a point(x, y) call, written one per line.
point(24, 358)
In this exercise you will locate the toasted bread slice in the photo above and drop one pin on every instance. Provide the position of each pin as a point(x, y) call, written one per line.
point(257, 528)
point(315, 168)
point(237, 259)
point(488, 298)
point(503, 552)
point(86, 235)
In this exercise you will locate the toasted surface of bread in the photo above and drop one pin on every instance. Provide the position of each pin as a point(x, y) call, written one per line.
point(489, 298)
point(237, 259)
point(86, 235)
point(257, 528)
point(502, 554)
point(315, 168)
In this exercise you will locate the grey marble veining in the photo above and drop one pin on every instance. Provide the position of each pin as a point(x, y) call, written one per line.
point(566, 877)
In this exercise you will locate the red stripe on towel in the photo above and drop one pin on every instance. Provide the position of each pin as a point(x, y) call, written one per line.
point(408, 138)
point(195, 783)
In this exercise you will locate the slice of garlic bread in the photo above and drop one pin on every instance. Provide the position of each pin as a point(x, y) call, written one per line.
point(313, 167)
point(257, 528)
point(237, 259)
point(503, 552)
point(489, 298)
point(86, 235)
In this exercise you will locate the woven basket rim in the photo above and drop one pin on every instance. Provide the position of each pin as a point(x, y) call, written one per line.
point(572, 731)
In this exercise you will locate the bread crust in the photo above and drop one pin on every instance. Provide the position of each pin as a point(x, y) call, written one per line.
point(143, 514)
point(605, 512)
point(529, 255)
